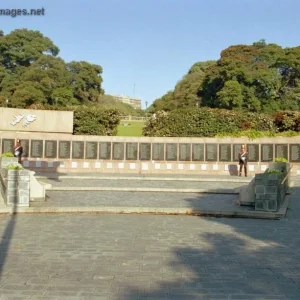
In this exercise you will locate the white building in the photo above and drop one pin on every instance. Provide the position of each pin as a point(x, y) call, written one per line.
point(136, 103)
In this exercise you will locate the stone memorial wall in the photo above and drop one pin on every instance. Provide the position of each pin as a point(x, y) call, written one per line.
point(126, 154)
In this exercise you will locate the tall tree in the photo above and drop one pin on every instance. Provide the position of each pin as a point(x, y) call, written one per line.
point(85, 79)
point(22, 47)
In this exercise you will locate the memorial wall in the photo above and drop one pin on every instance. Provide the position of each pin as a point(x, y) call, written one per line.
point(131, 154)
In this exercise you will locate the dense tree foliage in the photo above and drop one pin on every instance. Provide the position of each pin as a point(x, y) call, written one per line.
point(32, 73)
point(257, 78)
point(186, 90)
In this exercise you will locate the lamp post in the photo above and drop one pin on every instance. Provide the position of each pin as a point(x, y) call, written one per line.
point(6, 101)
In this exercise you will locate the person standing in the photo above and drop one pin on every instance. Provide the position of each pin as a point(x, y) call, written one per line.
point(243, 159)
point(18, 151)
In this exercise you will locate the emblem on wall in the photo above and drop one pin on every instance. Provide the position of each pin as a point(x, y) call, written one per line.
point(26, 120)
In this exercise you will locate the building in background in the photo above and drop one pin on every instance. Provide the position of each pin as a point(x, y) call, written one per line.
point(136, 103)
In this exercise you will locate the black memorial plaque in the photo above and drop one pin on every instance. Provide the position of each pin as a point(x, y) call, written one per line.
point(253, 152)
point(131, 151)
point(145, 151)
point(158, 151)
point(171, 151)
point(36, 148)
point(25, 145)
point(118, 151)
point(267, 152)
point(225, 152)
point(105, 150)
point(77, 149)
point(198, 152)
point(50, 149)
point(8, 145)
point(281, 150)
point(184, 152)
point(236, 149)
point(211, 152)
point(91, 149)
point(64, 149)
point(294, 153)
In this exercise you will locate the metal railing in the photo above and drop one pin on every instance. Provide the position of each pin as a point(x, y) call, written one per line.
point(133, 118)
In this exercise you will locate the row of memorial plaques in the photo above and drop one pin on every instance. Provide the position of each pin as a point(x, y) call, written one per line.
point(160, 151)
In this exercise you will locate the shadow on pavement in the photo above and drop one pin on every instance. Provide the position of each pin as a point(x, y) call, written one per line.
point(7, 235)
point(239, 259)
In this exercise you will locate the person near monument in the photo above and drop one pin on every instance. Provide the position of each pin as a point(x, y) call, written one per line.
point(243, 159)
point(18, 151)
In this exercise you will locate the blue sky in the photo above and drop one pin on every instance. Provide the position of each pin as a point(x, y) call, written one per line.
point(152, 43)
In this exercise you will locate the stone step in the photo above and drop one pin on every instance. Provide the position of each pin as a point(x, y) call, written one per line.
point(143, 186)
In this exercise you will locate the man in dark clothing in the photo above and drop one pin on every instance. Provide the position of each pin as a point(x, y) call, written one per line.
point(243, 159)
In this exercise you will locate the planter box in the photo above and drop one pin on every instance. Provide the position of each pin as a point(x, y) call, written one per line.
point(5, 161)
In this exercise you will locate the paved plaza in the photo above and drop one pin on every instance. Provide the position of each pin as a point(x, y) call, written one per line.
point(108, 256)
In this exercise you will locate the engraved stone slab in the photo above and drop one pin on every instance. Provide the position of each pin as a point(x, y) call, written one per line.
point(198, 152)
point(171, 152)
point(25, 145)
point(184, 152)
point(281, 150)
point(211, 152)
point(8, 145)
point(267, 152)
point(145, 151)
point(158, 151)
point(225, 152)
point(118, 151)
point(50, 149)
point(91, 149)
point(36, 148)
point(104, 150)
point(131, 151)
point(253, 152)
point(64, 149)
point(294, 153)
point(78, 149)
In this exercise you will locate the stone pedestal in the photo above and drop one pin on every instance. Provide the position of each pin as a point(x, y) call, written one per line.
point(269, 189)
point(17, 185)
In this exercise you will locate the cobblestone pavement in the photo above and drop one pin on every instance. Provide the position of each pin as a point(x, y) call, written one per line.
point(82, 256)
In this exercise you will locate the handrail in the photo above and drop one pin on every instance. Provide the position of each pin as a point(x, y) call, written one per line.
point(286, 176)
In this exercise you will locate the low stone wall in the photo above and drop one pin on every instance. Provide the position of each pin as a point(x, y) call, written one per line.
point(15, 187)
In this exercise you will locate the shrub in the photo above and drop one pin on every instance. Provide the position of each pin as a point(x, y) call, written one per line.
point(14, 167)
point(92, 120)
point(7, 154)
point(205, 122)
point(281, 159)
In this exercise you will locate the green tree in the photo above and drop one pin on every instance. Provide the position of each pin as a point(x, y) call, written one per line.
point(22, 47)
point(230, 96)
point(85, 80)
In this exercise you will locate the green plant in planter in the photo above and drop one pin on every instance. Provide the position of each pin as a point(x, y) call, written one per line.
point(7, 154)
point(272, 171)
point(281, 159)
point(14, 167)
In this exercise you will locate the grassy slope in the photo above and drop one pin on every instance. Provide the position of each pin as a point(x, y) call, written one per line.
point(132, 129)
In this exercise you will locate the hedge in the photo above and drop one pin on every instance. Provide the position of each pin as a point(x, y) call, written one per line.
point(207, 122)
point(90, 120)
